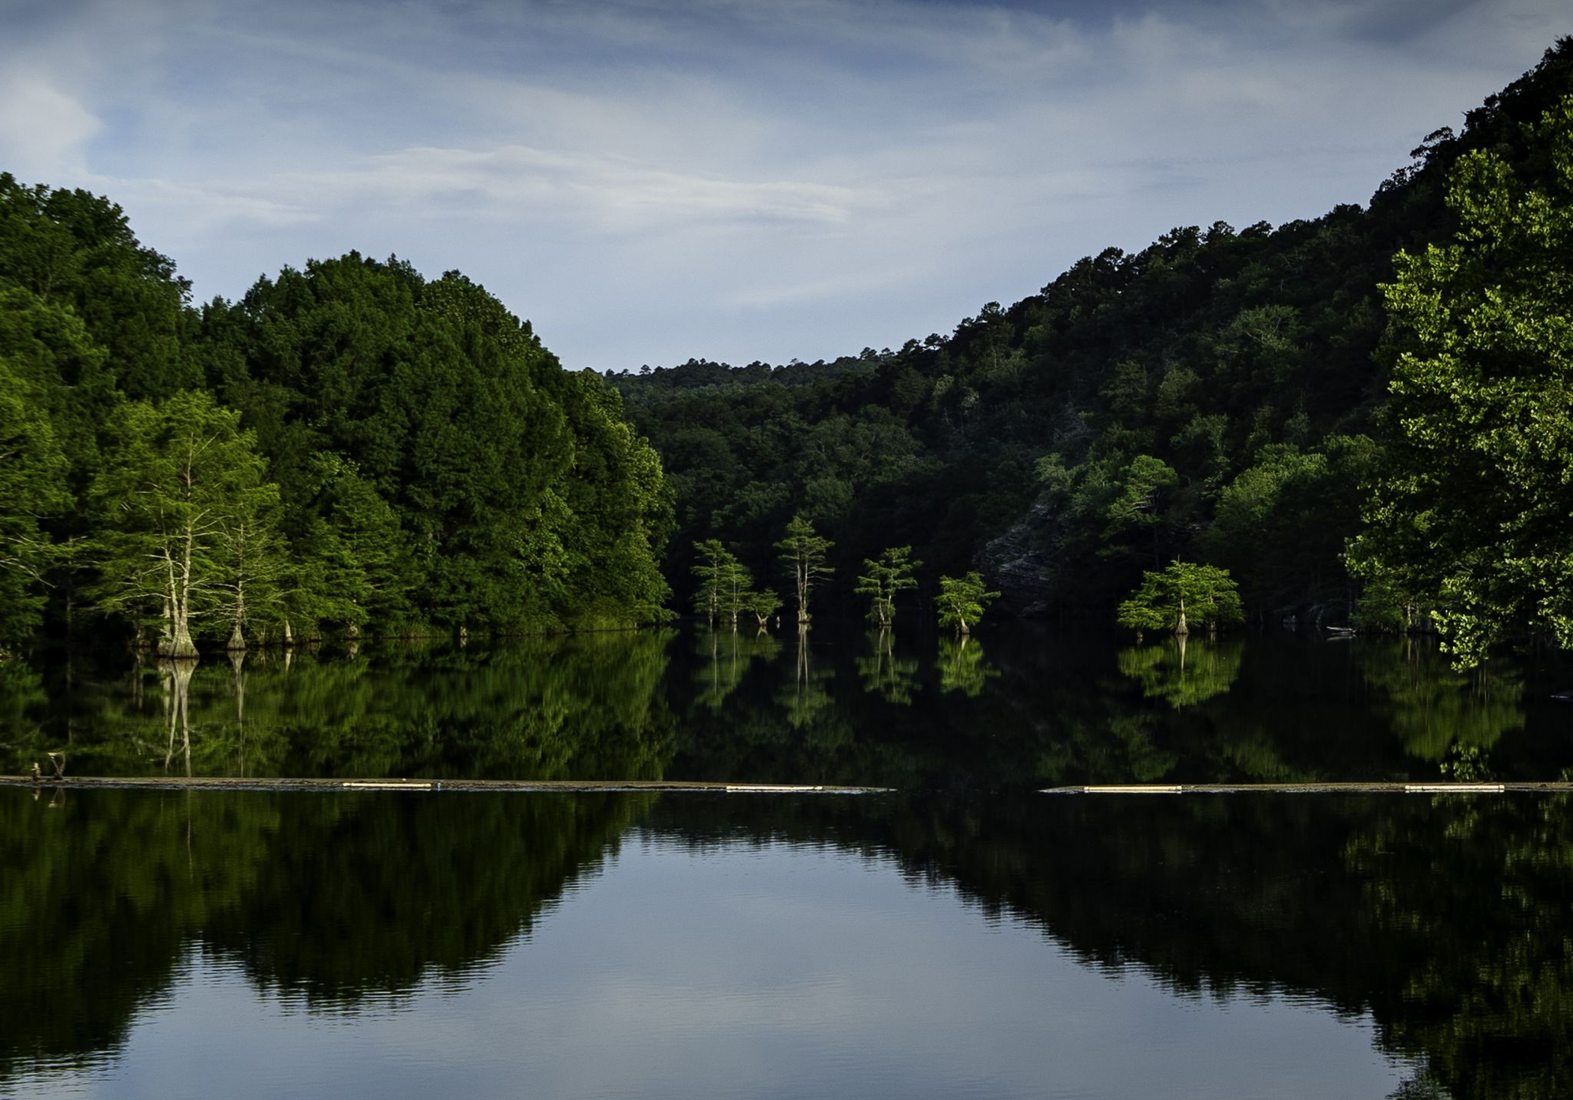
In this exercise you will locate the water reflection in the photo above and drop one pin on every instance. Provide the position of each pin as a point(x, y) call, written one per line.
point(726, 656)
point(175, 677)
point(587, 707)
point(894, 679)
point(1019, 710)
point(1435, 710)
point(962, 667)
point(1182, 672)
point(328, 899)
point(1442, 922)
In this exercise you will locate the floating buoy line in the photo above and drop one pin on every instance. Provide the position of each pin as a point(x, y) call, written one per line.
point(234, 783)
point(1311, 788)
point(635, 786)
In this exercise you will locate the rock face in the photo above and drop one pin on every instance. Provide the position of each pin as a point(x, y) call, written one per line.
point(1018, 564)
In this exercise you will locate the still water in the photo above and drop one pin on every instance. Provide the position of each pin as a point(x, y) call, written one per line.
point(960, 936)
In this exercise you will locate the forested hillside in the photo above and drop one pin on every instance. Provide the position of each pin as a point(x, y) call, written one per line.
point(1364, 416)
point(349, 447)
point(1218, 396)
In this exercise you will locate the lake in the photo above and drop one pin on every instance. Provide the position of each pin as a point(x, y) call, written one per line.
point(959, 935)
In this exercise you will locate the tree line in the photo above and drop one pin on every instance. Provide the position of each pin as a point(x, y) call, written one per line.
point(349, 447)
point(1361, 418)
point(724, 585)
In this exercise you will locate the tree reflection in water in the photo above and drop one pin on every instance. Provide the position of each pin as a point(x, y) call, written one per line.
point(1183, 672)
point(1444, 919)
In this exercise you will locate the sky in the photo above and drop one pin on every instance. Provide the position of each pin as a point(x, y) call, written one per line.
point(648, 182)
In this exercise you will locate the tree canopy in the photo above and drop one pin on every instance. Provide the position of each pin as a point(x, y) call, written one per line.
point(1217, 396)
point(1181, 595)
point(349, 446)
point(1472, 509)
point(1222, 396)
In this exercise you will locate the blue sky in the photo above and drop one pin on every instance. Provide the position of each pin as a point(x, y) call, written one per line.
point(730, 179)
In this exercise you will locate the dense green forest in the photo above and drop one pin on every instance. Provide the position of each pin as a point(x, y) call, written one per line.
point(348, 447)
point(1221, 396)
point(1363, 417)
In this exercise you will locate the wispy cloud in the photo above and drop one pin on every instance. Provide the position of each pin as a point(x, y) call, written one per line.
point(732, 178)
point(43, 131)
point(606, 192)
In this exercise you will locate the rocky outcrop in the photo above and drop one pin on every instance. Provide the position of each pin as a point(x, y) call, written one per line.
point(1019, 564)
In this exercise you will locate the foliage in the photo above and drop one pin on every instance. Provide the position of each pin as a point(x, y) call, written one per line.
point(882, 579)
point(1180, 595)
point(726, 587)
point(962, 600)
point(33, 485)
point(761, 605)
point(425, 460)
point(185, 519)
point(1281, 524)
point(75, 252)
point(521, 497)
point(1470, 513)
point(804, 552)
point(711, 570)
point(1209, 398)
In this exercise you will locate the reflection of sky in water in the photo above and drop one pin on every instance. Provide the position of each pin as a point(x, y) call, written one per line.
point(747, 971)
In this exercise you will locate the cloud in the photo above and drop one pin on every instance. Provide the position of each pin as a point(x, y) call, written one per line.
point(733, 178)
point(588, 193)
point(605, 192)
point(43, 131)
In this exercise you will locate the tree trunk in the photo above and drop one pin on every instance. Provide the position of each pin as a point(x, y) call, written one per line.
point(177, 642)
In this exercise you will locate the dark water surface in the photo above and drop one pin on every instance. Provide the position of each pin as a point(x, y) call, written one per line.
point(960, 936)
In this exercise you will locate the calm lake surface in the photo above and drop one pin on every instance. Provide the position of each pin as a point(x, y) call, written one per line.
point(959, 936)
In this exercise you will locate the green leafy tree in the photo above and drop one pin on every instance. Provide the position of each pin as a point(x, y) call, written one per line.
point(1139, 507)
point(962, 601)
point(423, 436)
point(252, 563)
point(737, 592)
point(1281, 524)
point(181, 483)
point(350, 565)
point(710, 571)
point(619, 503)
point(804, 554)
point(75, 251)
point(725, 584)
point(763, 604)
point(882, 579)
point(1471, 513)
point(1180, 595)
point(50, 351)
point(32, 489)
